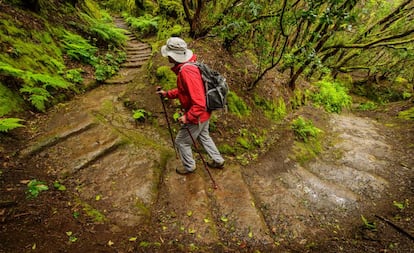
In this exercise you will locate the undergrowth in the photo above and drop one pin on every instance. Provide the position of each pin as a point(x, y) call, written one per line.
point(308, 140)
point(274, 110)
point(236, 105)
point(34, 61)
point(332, 96)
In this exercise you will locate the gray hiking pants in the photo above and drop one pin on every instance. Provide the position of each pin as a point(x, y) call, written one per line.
point(184, 142)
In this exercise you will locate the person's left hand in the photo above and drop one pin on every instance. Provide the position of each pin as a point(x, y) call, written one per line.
point(182, 119)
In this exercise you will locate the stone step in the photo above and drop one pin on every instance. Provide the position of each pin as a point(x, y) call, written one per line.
point(360, 182)
point(140, 53)
point(321, 193)
point(187, 209)
point(137, 47)
point(236, 208)
point(76, 152)
point(126, 186)
point(54, 137)
point(136, 64)
point(134, 58)
point(124, 75)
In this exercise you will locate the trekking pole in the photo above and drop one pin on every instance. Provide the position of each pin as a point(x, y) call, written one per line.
point(168, 122)
point(202, 159)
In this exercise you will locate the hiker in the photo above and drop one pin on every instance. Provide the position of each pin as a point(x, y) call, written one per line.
point(191, 94)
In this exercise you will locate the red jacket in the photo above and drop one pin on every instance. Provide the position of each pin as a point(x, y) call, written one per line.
point(190, 92)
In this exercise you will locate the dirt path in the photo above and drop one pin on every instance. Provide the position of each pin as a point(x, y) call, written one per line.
point(127, 173)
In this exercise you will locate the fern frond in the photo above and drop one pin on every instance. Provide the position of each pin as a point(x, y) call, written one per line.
point(37, 96)
point(9, 124)
point(78, 48)
point(49, 81)
point(8, 70)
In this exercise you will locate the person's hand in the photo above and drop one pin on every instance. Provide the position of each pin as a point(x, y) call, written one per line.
point(182, 119)
point(161, 92)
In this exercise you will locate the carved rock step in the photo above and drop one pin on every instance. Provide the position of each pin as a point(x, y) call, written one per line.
point(136, 64)
point(124, 75)
point(126, 186)
point(74, 153)
point(134, 47)
point(138, 57)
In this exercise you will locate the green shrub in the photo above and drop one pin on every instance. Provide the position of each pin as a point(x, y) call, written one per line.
point(74, 75)
point(34, 187)
point(407, 114)
point(304, 129)
point(227, 149)
point(236, 105)
point(244, 142)
point(104, 30)
point(145, 25)
point(78, 48)
point(273, 110)
point(367, 106)
point(300, 98)
point(166, 77)
point(332, 96)
point(166, 30)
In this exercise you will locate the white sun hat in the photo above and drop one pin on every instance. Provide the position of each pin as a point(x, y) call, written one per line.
point(177, 49)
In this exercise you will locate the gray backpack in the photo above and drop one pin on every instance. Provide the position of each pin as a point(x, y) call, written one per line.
point(215, 86)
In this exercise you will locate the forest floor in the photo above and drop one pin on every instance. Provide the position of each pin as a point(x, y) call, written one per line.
point(112, 185)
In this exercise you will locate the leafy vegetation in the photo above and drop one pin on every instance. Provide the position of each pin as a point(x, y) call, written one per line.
point(236, 105)
point(145, 25)
point(33, 60)
point(332, 96)
point(273, 110)
point(34, 187)
point(8, 124)
point(304, 129)
point(367, 106)
point(308, 144)
point(368, 224)
point(407, 114)
point(166, 77)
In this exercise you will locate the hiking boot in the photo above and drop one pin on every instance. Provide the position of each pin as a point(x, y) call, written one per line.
point(183, 171)
point(216, 165)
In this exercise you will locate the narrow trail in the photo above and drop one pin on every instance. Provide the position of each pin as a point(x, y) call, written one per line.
point(93, 143)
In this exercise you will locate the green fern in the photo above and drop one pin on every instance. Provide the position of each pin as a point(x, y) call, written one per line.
point(304, 129)
point(145, 25)
point(79, 48)
point(48, 81)
point(37, 96)
point(104, 30)
point(10, 101)
point(8, 70)
point(9, 124)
